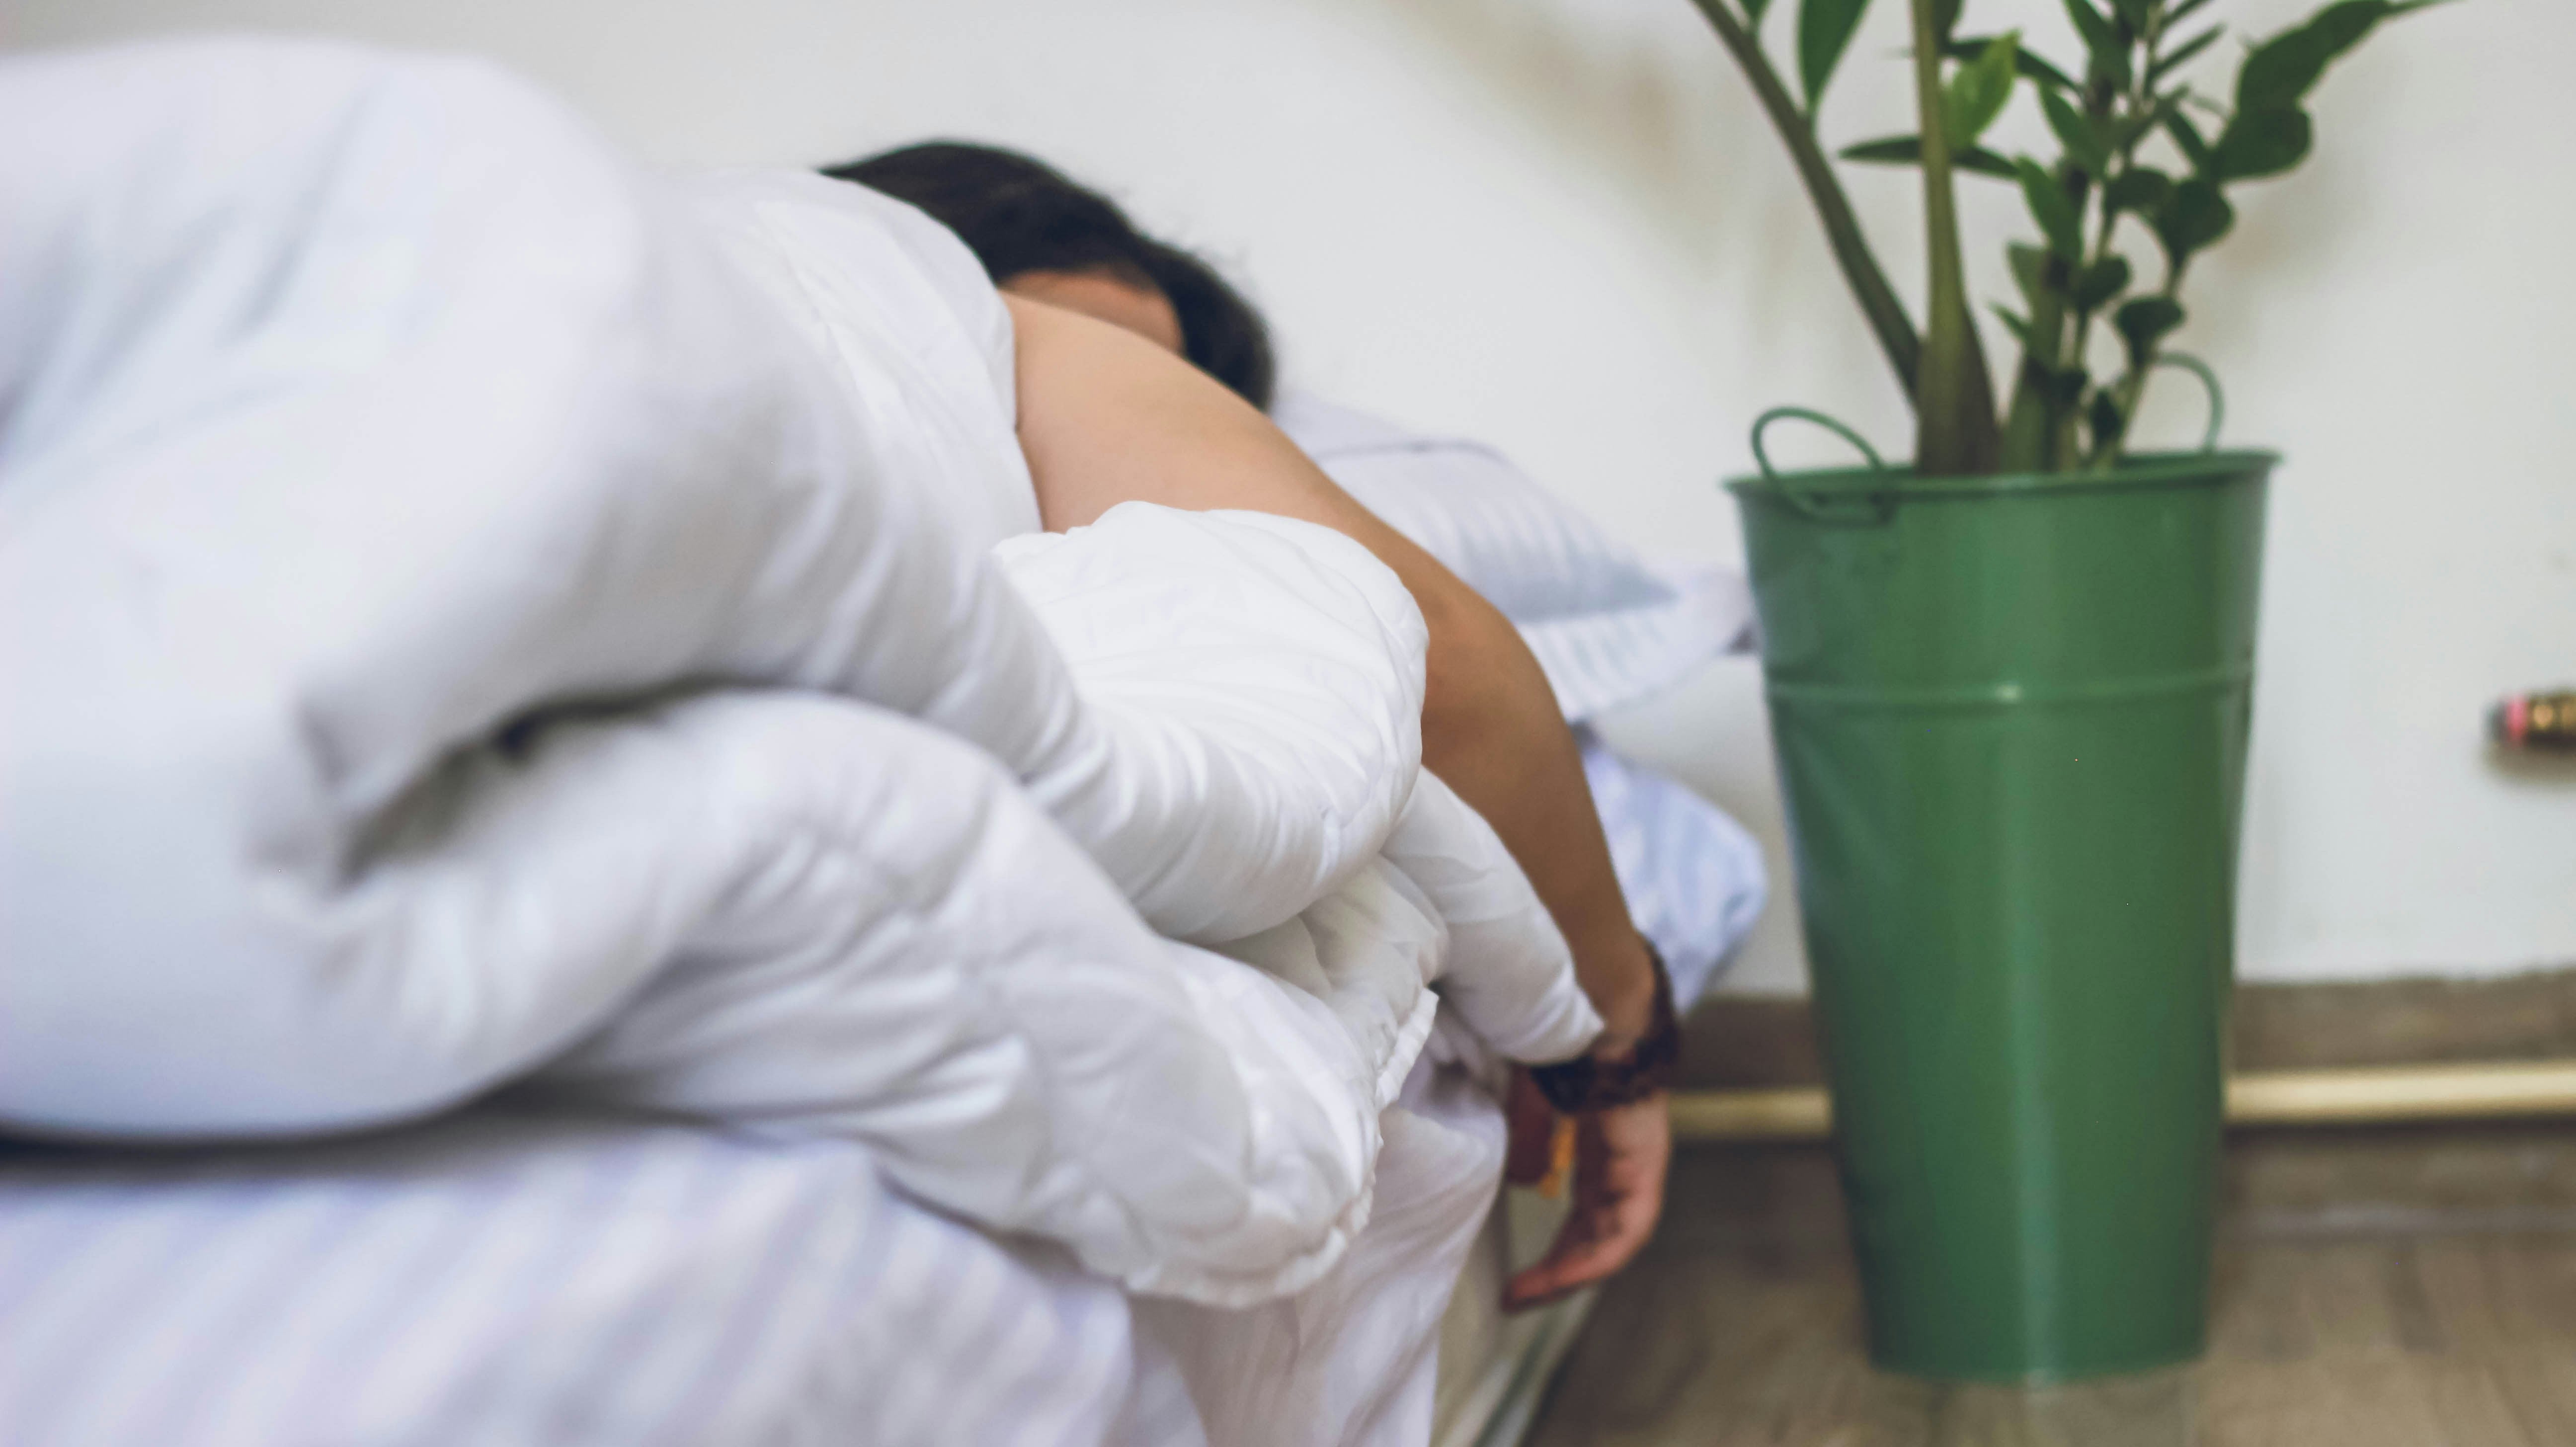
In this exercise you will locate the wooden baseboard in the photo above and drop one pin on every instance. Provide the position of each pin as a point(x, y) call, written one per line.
point(2447, 1176)
point(1755, 1043)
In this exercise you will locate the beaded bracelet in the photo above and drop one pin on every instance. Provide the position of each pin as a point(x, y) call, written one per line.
point(1586, 1084)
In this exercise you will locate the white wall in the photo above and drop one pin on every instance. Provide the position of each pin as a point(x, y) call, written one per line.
point(1560, 225)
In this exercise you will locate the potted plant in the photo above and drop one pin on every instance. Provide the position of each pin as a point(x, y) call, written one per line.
point(2010, 686)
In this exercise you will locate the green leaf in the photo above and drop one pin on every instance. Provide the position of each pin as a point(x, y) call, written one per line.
point(2192, 217)
point(1824, 32)
point(2262, 143)
point(1945, 17)
point(2108, 422)
point(2015, 323)
point(2126, 130)
point(2181, 55)
point(2281, 70)
point(2187, 137)
point(2109, 55)
point(2180, 13)
point(2075, 131)
point(1908, 151)
point(2092, 25)
point(2134, 12)
point(2052, 209)
point(2032, 67)
point(2064, 385)
point(2141, 189)
point(2100, 282)
point(1978, 91)
point(2143, 322)
point(1753, 12)
point(2030, 272)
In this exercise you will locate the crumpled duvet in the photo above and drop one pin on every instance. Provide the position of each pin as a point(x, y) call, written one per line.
point(472, 611)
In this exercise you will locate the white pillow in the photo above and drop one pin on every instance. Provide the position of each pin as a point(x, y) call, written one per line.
point(1694, 879)
point(1608, 625)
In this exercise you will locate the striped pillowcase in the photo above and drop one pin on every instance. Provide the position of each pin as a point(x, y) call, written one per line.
point(1608, 625)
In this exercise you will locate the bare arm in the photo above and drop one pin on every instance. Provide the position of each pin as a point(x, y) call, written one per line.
point(1107, 418)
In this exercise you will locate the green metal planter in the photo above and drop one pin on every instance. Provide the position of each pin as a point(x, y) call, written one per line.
point(2011, 717)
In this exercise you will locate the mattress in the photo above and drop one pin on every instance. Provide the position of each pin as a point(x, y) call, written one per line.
point(524, 1273)
point(520, 1275)
point(1495, 1366)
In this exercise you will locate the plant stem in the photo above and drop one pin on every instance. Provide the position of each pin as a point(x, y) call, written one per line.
point(1869, 286)
point(1954, 407)
point(2130, 387)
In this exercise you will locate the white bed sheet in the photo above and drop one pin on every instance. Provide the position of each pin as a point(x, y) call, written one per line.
point(511, 1276)
point(524, 1275)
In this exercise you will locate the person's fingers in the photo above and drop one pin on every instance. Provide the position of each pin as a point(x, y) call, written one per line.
point(1574, 1237)
point(1581, 1255)
point(1605, 1233)
point(1618, 1199)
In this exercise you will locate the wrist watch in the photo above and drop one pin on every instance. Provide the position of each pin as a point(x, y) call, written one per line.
point(1587, 1083)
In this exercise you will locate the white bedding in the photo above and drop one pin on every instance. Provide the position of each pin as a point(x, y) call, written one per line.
point(518, 1275)
point(475, 611)
point(510, 1277)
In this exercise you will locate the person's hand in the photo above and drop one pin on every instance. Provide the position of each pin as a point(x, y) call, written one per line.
point(1620, 1157)
point(1529, 1132)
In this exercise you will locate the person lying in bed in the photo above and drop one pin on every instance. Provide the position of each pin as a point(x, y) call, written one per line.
point(1142, 376)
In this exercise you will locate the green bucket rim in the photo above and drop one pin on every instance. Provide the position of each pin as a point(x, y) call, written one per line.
point(2185, 468)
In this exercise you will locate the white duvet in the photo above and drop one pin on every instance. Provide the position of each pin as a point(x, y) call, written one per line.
point(472, 610)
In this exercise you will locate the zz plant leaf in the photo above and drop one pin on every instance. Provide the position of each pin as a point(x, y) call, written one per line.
point(1979, 90)
point(1908, 151)
point(2262, 143)
point(2183, 54)
point(2106, 52)
point(2053, 209)
point(2100, 282)
point(2030, 273)
point(2139, 189)
point(2190, 219)
point(2187, 139)
point(1825, 30)
point(2132, 141)
point(2085, 145)
point(2145, 322)
point(2282, 70)
point(2108, 422)
point(2031, 66)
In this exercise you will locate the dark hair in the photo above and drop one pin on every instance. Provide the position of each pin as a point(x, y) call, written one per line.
point(1019, 214)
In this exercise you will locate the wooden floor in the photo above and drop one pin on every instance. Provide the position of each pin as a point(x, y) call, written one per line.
point(2336, 1337)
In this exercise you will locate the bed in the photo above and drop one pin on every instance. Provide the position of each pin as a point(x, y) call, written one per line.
point(522, 1273)
point(533, 681)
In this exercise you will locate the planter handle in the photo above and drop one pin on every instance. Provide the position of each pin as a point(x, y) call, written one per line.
point(2209, 383)
point(1880, 506)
